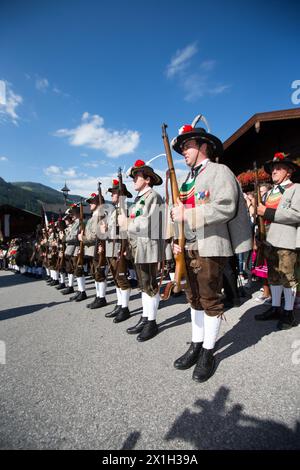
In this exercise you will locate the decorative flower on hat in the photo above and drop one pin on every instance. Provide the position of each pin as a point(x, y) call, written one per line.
point(185, 128)
point(115, 182)
point(139, 163)
point(93, 195)
point(279, 156)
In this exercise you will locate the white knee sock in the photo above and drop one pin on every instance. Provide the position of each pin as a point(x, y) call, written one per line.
point(52, 273)
point(71, 280)
point(48, 271)
point(62, 278)
point(102, 288)
point(119, 296)
point(211, 330)
point(289, 297)
point(56, 275)
point(145, 304)
point(125, 295)
point(81, 283)
point(97, 289)
point(276, 292)
point(152, 303)
point(197, 325)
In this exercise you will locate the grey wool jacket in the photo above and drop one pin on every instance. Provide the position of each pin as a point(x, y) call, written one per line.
point(145, 230)
point(220, 220)
point(72, 242)
point(284, 231)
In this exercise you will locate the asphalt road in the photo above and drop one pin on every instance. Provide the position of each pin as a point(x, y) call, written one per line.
point(72, 379)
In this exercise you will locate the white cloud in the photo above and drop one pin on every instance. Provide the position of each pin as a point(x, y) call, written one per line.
point(92, 134)
point(84, 155)
point(194, 79)
point(60, 173)
point(41, 84)
point(3, 159)
point(9, 103)
point(181, 60)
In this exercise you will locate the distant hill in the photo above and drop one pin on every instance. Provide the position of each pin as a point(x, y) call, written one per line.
point(29, 196)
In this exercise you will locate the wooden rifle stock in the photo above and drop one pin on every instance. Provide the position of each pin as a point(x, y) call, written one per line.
point(180, 278)
point(122, 261)
point(102, 256)
point(80, 259)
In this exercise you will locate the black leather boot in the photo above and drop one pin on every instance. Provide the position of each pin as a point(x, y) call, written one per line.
point(74, 297)
point(54, 283)
point(134, 330)
point(205, 366)
point(189, 358)
point(68, 290)
point(273, 313)
point(92, 303)
point(81, 296)
point(115, 312)
point(149, 331)
point(61, 286)
point(123, 315)
point(286, 320)
point(98, 303)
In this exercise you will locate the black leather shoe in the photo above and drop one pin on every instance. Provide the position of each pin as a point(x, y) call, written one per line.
point(149, 331)
point(81, 296)
point(273, 313)
point(123, 315)
point(74, 297)
point(134, 330)
point(205, 366)
point(98, 303)
point(115, 312)
point(68, 290)
point(61, 286)
point(92, 303)
point(286, 320)
point(54, 283)
point(189, 358)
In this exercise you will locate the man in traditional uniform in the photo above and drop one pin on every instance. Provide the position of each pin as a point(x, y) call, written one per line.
point(113, 253)
point(146, 244)
point(71, 241)
point(216, 226)
point(90, 241)
point(282, 215)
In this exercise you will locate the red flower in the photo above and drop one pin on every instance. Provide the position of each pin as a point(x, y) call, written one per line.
point(93, 195)
point(115, 182)
point(185, 128)
point(279, 156)
point(139, 163)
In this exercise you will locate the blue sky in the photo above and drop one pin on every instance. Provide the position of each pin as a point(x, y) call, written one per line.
point(89, 83)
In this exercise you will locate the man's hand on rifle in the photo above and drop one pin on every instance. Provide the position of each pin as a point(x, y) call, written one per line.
point(178, 212)
point(80, 236)
point(122, 221)
point(176, 249)
point(261, 209)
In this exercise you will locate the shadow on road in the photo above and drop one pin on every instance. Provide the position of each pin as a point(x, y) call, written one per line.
point(131, 441)
point(221, 425)
point(26, 310)
point(13, 279)
point(246, 333)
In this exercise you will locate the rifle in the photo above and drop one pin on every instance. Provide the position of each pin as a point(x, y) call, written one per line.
point(102, 257)
point(258, 220)
point(80, 258)
point(121, 261)
point(180, 278)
